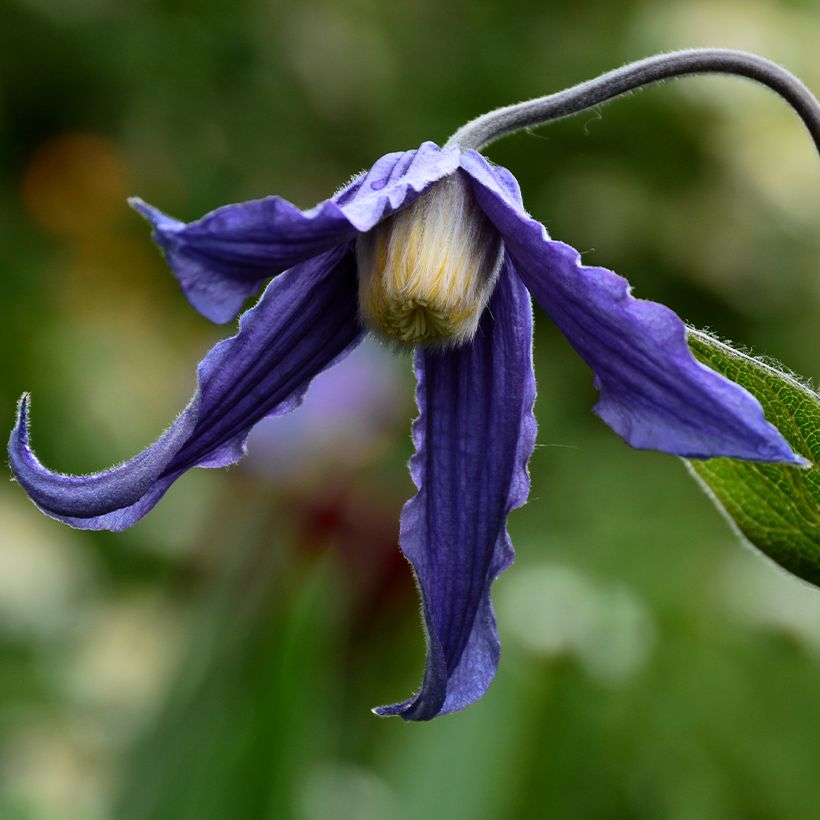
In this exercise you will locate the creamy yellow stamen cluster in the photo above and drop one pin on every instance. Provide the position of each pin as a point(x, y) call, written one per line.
point(427, 272)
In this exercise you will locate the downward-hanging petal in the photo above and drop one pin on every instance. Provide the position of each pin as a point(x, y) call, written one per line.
point(305, 321)
point(224, 257)
point(473, 438)
point(653, 392)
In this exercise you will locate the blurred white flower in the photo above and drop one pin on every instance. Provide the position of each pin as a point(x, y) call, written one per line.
point(44, 575)
point(770, 601)
point(754, 125)
point(53, 771)
point(553, 611)
point(122, 661)
point(339, 791)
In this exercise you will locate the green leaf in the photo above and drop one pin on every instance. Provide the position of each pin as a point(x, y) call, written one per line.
point(774, 506)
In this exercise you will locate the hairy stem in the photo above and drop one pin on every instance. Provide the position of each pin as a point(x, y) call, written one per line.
point(483, 130)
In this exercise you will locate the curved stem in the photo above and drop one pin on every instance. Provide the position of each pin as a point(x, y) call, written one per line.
point(483, 130)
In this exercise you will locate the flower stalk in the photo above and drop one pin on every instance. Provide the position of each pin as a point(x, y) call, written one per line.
point(486, 129)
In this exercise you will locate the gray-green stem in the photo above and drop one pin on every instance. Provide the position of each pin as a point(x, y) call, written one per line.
point(488, 128)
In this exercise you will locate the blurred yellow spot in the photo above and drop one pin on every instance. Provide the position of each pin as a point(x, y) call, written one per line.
point(75, 185)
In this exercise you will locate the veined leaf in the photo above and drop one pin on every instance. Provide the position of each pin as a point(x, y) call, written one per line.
point(774, 506)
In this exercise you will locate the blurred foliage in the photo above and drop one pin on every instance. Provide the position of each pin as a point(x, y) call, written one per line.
point(219, 659)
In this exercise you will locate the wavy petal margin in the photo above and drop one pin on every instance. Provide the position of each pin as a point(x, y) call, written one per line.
point(474, 436)
point(653, 392)
point(224, 257)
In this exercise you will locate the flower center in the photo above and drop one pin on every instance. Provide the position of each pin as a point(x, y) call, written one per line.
point(427, 272)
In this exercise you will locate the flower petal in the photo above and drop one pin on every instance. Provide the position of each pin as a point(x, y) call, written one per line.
point(654, 393)
point(305, 321)
point(474, 435)
point(224, 257)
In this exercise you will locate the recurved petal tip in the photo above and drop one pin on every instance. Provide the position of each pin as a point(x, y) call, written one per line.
point(156, 217)
point(23, 404)
point(305, 322)
point(778, 450)
point(19, 434)
point(103, 500)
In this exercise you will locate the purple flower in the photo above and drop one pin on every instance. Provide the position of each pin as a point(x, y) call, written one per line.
point(431, 248)
point(475, 430)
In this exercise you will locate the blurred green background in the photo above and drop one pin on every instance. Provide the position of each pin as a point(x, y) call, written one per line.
point(218, 660)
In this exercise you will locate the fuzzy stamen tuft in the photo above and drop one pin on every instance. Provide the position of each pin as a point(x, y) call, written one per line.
point(427, 272)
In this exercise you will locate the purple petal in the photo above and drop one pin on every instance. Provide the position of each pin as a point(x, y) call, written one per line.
point(224, 257)
point(654, 393)
point(305, 322)
point(473, 437)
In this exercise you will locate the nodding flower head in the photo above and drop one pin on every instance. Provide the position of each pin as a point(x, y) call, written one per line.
point(427, 272)
point(430, 248)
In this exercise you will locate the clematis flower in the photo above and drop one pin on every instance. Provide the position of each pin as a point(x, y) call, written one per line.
point(432, 250)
